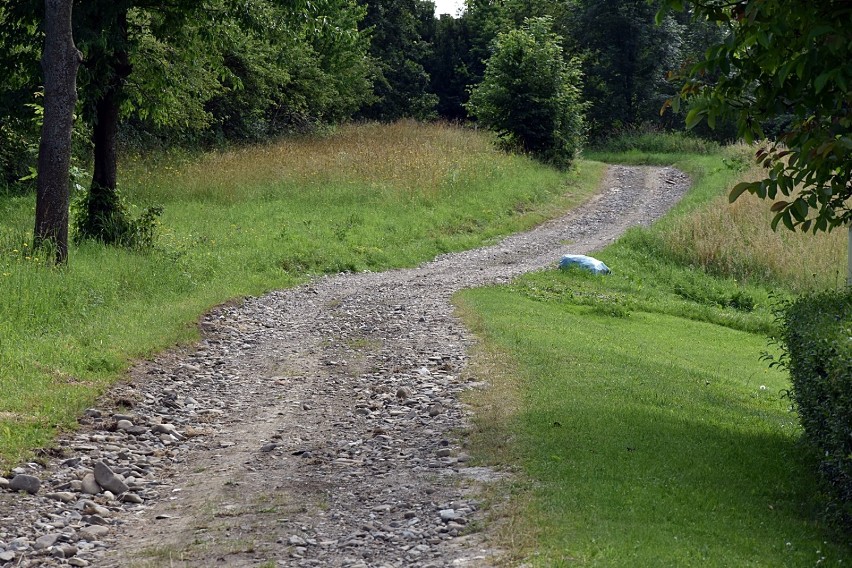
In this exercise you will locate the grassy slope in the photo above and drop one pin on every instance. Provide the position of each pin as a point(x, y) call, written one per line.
point(650, 432)
point(237, 223)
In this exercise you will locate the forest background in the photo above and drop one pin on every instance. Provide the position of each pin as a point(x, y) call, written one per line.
point(217, 72)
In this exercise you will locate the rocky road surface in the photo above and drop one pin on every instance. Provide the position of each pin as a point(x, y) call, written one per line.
point(318, 426)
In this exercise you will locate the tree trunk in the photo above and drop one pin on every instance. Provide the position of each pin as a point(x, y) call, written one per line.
point(59, 62)
point(102, 202)
point(104, 218)
point(849, 254)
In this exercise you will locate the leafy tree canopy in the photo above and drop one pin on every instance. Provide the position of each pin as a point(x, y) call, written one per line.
point(530, 95)
point(790, 59)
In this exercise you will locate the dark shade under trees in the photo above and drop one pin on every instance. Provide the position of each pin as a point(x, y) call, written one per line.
point(397, 30)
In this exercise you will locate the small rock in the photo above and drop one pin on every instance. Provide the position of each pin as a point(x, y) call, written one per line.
point(268, 447)
point(4, 483)
point(131, 498)
point(78, 562)
point(124, 424)
point(18, 545)
point(89, 485)
point(107, 479)
point(448, 515)
point(7, 556)
point(443, 452)
point(28, 483)
point(65, 550)
point(93, 532)
point(45, 541)
point(64, 496)
point(296, 541)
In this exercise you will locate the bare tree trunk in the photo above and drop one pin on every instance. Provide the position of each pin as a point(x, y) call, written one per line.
point(59, 63)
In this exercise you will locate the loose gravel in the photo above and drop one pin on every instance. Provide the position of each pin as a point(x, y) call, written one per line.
point(317, 426)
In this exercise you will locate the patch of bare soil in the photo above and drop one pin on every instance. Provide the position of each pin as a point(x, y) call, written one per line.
point(318, 426)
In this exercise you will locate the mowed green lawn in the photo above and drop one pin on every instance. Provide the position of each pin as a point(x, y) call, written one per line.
point(644, 427)
point(648, 440)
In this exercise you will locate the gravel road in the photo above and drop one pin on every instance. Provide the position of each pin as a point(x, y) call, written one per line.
point(317, 426)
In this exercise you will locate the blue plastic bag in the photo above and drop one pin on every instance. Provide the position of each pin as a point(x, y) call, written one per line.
point(593, 265)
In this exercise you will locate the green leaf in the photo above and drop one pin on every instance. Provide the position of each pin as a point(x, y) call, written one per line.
point(775, 221)
point(821, 80)
point(779, 206)
point(841, 80)
point(799, 210)
point(739, 189)
point(693, 117)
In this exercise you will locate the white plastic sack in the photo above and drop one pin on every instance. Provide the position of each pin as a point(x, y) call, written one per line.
point(586, 262)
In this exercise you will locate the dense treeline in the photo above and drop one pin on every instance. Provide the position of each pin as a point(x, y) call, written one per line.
point(220, 70)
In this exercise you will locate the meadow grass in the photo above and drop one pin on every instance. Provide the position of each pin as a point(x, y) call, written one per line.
point(644, 426)
point(241, 222)
point(732, 240)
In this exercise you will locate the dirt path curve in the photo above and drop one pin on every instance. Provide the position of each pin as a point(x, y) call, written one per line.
point(316, 426)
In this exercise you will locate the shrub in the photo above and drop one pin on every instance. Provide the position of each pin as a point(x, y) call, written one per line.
point(647, 138)
point(114, 224)
point(530, 94)
point(816, 337)
point(16, 151)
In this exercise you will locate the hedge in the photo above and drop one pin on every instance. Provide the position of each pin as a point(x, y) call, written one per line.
point(816, 336)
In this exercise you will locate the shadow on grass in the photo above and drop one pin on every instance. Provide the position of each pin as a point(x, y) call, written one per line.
point(689, 490)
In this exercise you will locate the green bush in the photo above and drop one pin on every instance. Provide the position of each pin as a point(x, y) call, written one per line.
point(17, 152)
point(816, 337)
point(647, 138)
point(530, 94)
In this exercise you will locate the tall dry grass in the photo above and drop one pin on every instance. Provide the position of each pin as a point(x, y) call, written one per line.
point(395, 158)
point(736, 239)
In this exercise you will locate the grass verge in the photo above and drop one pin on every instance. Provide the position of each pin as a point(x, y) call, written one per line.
point(645, 429)
point(646, 440)
point(241, 222)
